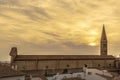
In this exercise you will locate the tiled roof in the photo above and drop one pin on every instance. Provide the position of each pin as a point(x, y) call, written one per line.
point(8, 72)
point(62, 57)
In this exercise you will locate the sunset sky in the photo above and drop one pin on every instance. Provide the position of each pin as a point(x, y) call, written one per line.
point(60, 27)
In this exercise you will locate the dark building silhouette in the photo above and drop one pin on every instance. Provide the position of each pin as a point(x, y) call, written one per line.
point(103, 42)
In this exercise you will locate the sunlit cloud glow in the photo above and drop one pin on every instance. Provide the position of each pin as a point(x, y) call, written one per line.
point(58, 26)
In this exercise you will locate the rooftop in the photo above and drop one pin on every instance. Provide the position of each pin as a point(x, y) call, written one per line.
point(62, 57)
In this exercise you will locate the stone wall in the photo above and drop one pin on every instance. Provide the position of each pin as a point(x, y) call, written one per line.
point(62, 64)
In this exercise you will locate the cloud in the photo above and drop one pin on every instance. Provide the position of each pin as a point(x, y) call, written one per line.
point(58, 26)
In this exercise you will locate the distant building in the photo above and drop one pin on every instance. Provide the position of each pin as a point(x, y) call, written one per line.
point(5, 63)
point(90, 74)
point(52, 64)
point(6, 73)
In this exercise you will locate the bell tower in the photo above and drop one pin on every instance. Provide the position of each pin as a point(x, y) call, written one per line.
point(103, 43)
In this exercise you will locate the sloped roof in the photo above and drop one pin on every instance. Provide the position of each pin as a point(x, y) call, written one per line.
point(6, 71)
point(61, 57)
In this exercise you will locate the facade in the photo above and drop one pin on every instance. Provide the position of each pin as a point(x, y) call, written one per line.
point(6, 73)
point(52, 64)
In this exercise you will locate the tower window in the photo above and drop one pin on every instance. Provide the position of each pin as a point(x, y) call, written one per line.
point(105, 45)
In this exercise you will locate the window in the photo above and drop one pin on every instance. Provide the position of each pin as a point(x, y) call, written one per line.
point(110, 65)
point(85, 65)
point(104, 45)
point(99, 65)
point(68, 65)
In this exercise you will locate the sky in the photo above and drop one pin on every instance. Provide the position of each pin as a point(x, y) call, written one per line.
point(58, 27)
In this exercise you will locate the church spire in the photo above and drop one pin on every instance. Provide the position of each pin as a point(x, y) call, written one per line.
point(103, 42)
point(103, 37)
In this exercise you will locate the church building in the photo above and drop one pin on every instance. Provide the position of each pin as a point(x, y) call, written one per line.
point(52, 64)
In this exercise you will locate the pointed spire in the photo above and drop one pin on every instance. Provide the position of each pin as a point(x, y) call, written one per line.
point(103, 37)
point(103, 42)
